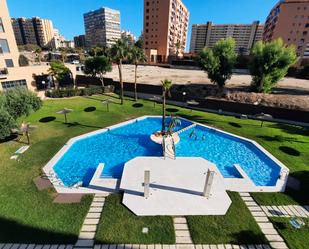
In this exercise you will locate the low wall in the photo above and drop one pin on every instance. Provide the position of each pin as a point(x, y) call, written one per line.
point(213, 104)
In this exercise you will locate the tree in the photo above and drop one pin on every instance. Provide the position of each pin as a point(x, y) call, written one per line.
point(23, 61)
point(178, 46)
point(139, 43)
point(219, 61)
point(63, 54)
point(166, 86)
point(120, 52)
point(270, 63)
point(137, 56)
point(21, 102)
point(38, 54)
point(98, 66)
point(14, 104)
point(7, 123)
point(59, 71)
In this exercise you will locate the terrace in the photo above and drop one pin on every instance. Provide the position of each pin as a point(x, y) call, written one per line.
point(54, 223)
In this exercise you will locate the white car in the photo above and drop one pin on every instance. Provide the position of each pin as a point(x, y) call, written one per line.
point(75, 62)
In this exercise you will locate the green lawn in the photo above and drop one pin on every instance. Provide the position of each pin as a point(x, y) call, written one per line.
point(236, 227)
point(119, 225)
point(24, 210)
point(295, 238)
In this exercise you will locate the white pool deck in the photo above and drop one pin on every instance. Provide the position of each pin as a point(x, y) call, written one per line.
point(108, 185)
point(176, 187)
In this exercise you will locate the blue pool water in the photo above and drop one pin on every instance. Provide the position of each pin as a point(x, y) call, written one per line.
point(116, 147)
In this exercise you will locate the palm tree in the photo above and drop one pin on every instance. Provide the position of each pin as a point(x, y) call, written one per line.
point(178, 46)
point(63, 54)
point(166, 86)
point(120, 51)
point(38, 54)
point(137, 56)
point(173, 124)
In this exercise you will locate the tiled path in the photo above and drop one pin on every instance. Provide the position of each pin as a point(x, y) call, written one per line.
point(183, 246)
point(182, 231)
point(276, 241)
point(89, 228)
point(286, 211)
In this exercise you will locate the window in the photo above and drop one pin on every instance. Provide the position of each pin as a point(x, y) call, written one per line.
point(9, 63)
point(7, 85)
point(4, 46)
point(1, 26)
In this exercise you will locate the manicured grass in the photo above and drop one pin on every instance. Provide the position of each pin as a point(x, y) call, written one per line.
point(237, 226)
point(120, 226)
point(295, 238)
point(24, 210)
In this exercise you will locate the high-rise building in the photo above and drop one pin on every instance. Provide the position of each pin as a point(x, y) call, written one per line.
point(289, 20)
point(11, 74)
point(165, 29)
point(206, 35)
point(80, 41)
point(8, 49)
point(102, 27)
point(35, 30)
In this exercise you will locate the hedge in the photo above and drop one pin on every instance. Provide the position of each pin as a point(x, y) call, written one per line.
point(71, 92)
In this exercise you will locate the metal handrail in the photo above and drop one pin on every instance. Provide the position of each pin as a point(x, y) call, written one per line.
point(163, 147)
point(174, 148)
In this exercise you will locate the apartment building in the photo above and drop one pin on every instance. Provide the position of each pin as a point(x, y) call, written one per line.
point(165, 29)
point(245, 35)
point(11, 74)
point(289, 20)
point(80, 41)
point(35, 30)
point(102, 27)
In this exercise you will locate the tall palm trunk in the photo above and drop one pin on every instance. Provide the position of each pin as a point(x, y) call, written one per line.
point(121, 81)
point(163, 111)
point(135, 83)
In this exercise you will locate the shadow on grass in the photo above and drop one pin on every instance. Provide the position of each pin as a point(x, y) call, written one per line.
point(300, 196)
point(289, 151)
point(172, 110)
point(76, 124)
point(279, 138)
point(12, 137)
point(90, 109)
point(47, 119)
point(14, 232)
point(236, 125)
point(137, 105)
point(292, 129)
point(248, 237)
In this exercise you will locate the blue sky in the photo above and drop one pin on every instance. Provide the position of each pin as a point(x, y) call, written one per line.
point(67, 15)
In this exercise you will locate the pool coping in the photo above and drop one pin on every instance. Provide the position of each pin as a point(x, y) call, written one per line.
point(112, 184)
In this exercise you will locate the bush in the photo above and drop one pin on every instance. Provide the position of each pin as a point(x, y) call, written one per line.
point(20, 102)
point(14, 104)
point(71, 92)
point(270, 63)
point(7, 123)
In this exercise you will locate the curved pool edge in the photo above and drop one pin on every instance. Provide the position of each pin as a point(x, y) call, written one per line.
point(111, 184)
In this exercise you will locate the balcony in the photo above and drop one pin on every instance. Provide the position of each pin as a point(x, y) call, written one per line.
point(3, 73)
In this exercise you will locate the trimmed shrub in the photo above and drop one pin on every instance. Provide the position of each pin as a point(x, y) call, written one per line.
point(71, 92)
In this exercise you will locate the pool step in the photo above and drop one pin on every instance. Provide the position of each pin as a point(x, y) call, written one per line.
point(186, 128)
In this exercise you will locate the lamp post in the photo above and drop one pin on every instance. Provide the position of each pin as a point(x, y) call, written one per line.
point(184, 97)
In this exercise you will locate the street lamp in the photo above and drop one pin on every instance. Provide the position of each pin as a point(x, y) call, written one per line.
point(184, 96)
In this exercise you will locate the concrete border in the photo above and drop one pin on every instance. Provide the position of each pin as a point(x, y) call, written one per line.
point(112, 182)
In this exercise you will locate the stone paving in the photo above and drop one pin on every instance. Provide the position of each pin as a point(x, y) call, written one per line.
point(182, 231)
point(89, 228)
point(271, 234)
point(286, 211)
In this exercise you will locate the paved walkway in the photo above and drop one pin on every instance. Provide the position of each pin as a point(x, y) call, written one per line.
point(182, 246)
point(286, 211)
point(271, 234)
point(89, 228)
point(182, 231)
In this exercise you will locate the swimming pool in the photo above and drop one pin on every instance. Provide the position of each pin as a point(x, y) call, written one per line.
point(115, 147)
